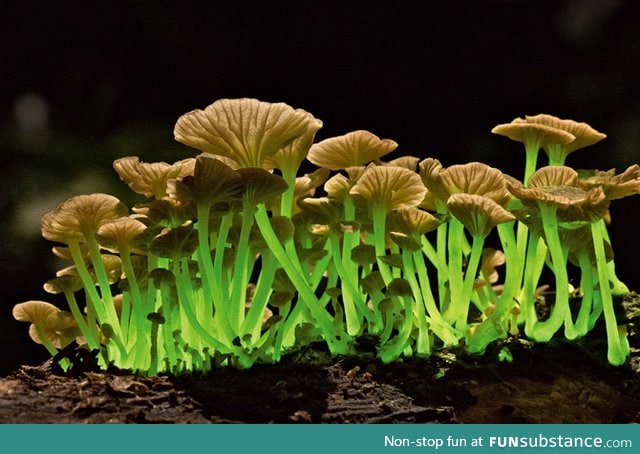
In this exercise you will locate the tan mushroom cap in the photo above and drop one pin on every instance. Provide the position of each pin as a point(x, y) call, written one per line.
point(81, 216)
point(559, 186)
point(479, 214)
point(491, 259)
point(471, 178)
point(62, 284)
point(390, 188)
point(245, 130)
point(584, 134)
point(295, 152)
point(414, 221)
point(539, 134)
point(213, 181)
point(353, 149)
point(150, 179)
point(58, 325)
point(61, 331)
point(614, 186)
point(34, 311)
point(120, 233)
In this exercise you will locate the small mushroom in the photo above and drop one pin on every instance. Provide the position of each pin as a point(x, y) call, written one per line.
point(353, 149)
point(472, 178)
point(479, 214)
point(80, 217)
point(150, 179)
point(534, 136)
point(389, 188)
point(584, 135)
point(50, 326)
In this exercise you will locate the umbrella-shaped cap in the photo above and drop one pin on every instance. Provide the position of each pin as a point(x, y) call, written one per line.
point(80, 216)
point(245, 130)
point(353, 149)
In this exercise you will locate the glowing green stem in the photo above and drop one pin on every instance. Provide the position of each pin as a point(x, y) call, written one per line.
point(253, 321)
point(103, 283)
point(618, 346)
point(241, 268)
point(469, 278)
point(379, 216)
point(456, 304)
point(423, 345)
point(396, 346)
point(323, 319)
point(544, 331)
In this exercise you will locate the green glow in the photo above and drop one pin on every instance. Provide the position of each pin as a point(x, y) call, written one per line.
point(232, 278)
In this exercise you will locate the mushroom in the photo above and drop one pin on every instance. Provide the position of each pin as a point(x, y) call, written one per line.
point(69, 285)
point(49, 327)
point(75, 222)
point(479, 215)
point(288, 160)
point(534, 136)
point(472, 178)
point(353, 149)
point(245, 130)
point(556, 197)
point(584, 135)
point(614, 187)
point(383, 189)
point(150, 179)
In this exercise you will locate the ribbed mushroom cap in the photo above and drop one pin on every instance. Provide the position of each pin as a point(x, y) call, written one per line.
point(558, 186)
point(614, 186)
point(59, 326)
point(537, 134)
point(479, 214)
point(150, 179)
point(180, 241)
point(295, 152)
point(353, 149)
point(81, 216)
point(338, 186)
point(389, 188)
point(472, 178)
point(260, 185)
point(245, 130)
point(63, 284)
point(121, 233)
point(61, 330)
point(34, 311)
point(212, 182)
point(408, 162)
point(584, 134)
point(413, 221)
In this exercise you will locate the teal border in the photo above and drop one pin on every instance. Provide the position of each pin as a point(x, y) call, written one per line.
point(310, 439)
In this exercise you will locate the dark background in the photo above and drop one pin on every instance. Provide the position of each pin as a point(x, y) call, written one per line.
point(82, 83)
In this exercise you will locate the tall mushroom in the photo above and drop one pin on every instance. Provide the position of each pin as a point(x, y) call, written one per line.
point(75, 222)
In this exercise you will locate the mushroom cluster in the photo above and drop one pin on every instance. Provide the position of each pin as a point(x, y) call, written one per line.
point(232, 257)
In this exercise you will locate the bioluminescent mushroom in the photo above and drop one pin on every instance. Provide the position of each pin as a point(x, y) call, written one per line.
point(555, 194)
point(245, 130)
point(353, 149)
point(534, 136)
point(383, 189)
point(235, 258)
point(150, 179)
point(479, 215)
point(584, 135)
point(75, 222)
point(50, 326)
